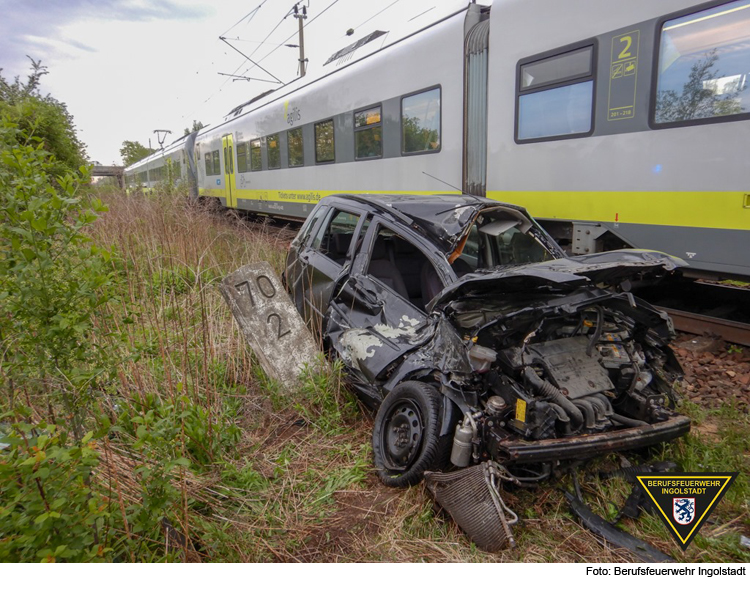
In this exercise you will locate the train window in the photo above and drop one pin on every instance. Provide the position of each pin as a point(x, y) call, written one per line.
point(704, 66)
point(296, 150)
point(420, 122)
point(368, 134)
point(242, 164)
point(274, 151)
point(255, 159)
point(217, 163)
point(556, 96)
point(209, 159)
point(324, 147)
point(555, 69)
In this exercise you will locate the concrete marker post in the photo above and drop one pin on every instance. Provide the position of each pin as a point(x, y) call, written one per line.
point(269, 322)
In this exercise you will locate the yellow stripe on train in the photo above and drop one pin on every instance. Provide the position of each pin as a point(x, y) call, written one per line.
point(728, 210)
point(697, 209)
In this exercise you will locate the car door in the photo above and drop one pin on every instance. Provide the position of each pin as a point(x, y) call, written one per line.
point(328, 258)
point(297, 260)
point(372, 320)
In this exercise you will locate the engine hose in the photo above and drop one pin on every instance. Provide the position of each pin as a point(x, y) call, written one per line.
point(562, 416)
point(553, 393)
point(597, 331)
point(608, 410)
point(588, 412)
point(627, 421)
point(530, 480)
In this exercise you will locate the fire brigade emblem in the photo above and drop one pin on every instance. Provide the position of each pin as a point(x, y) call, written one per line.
point(683, 509)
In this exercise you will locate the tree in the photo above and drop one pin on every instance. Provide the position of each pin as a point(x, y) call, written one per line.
point(699, 98)
point(43, 117)
point(132, 152)
point(418, 138)
point(197, 126)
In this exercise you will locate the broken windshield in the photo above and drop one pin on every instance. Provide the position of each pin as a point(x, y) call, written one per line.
point(500, 238)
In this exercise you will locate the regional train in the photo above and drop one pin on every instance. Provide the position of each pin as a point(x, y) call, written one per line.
point(614, 123)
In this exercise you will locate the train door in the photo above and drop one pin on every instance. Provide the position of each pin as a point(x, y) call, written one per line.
point(475, 109)
point(230, 192)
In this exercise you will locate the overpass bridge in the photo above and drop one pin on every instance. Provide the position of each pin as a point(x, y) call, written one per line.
point(116, 171)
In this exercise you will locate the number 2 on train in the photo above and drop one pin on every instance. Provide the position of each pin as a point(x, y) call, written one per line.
point(625, 53)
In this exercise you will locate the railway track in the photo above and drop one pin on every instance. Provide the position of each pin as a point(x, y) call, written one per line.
point(730, 331)
point(703, 307)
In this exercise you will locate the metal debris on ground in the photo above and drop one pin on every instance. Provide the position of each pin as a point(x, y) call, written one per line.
point(607, 531)
point(472, 498)
point(643, 550)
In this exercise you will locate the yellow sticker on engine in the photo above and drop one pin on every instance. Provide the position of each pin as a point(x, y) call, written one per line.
point(521, 410)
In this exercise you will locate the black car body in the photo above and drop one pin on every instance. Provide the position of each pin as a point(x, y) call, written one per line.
point(474, 335)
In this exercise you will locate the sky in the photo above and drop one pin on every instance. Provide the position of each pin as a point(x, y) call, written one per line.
point(128, 67)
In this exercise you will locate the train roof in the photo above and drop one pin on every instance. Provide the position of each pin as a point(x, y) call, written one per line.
point(339, 61)
point(178, 144)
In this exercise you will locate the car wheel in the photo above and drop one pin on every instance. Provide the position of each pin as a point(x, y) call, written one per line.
point(406, 437)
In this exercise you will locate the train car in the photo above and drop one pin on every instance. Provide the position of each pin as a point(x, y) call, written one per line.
point(614, 124)
point(629, 126)
point(375, 124)
point(173, 164)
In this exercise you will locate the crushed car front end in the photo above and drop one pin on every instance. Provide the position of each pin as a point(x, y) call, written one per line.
point(564, 372)
point(541, 365)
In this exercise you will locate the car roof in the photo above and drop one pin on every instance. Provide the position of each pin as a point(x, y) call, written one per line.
point(443, 218)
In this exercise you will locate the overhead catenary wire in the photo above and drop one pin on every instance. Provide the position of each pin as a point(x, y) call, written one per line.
point(234, 74)
point(250, 59)
point(250, 14)
point(311, 21)
point(376, 14)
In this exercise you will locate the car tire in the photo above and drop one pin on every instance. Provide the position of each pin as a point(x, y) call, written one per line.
point(406, 437)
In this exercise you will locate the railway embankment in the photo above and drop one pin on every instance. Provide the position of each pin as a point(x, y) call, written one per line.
point(716, 373)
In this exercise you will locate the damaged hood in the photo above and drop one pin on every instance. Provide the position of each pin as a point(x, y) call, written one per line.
point(442, 220)
point(609, 268)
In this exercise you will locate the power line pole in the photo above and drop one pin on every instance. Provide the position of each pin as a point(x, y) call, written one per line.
point(301, 15)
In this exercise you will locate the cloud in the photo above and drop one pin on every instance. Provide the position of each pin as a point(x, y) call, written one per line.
point(33, 27)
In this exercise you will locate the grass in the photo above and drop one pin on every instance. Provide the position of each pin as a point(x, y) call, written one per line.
point(279, 477)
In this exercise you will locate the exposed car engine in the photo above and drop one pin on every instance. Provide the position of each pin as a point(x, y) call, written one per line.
point(592, 369)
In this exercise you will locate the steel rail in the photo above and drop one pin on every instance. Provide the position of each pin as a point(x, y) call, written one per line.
point(729, 330)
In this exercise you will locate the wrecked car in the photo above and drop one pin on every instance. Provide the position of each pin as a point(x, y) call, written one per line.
point(463, 322)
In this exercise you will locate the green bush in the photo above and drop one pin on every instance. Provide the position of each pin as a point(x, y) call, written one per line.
point(49, 509)
point(54, 282)
point(44, 117)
